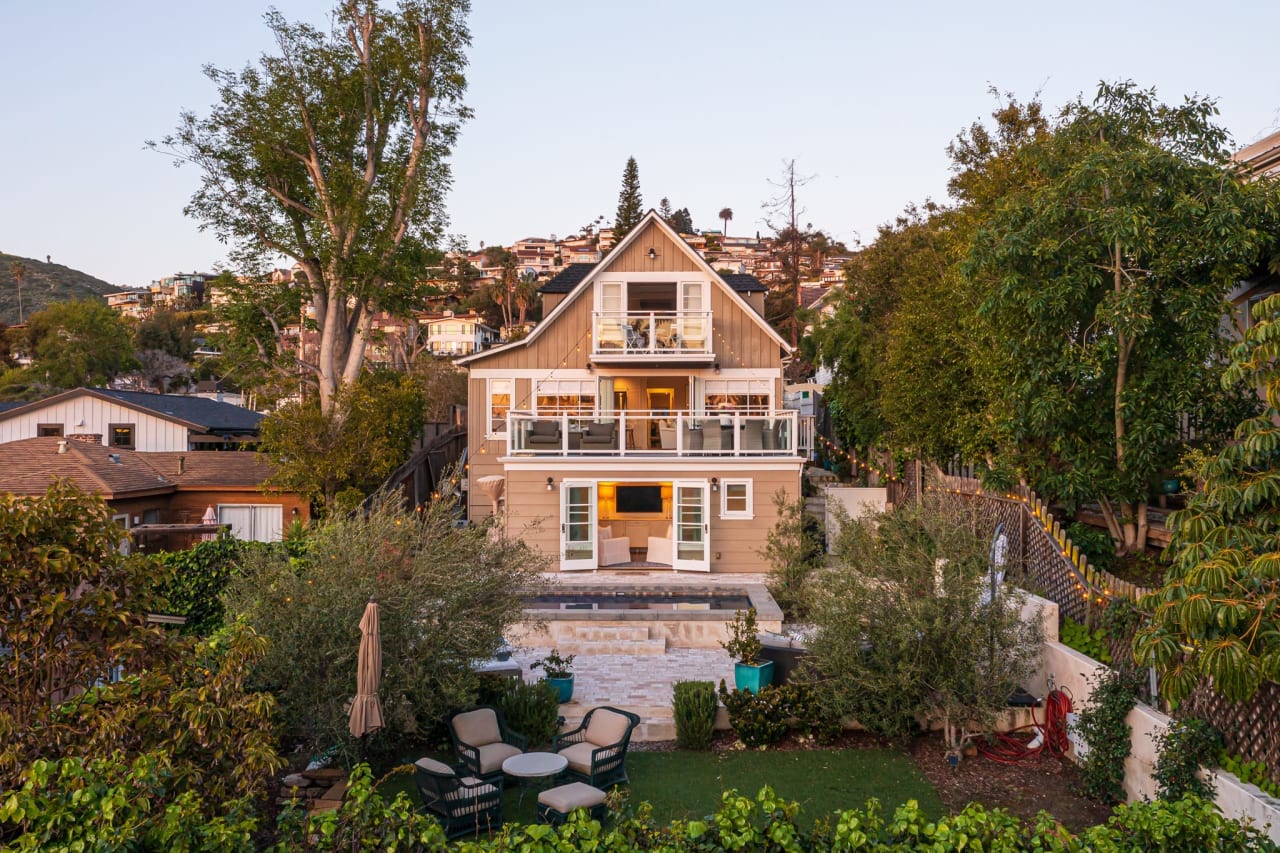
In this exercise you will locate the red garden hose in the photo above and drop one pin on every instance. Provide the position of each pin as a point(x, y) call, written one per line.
point(1032, 739)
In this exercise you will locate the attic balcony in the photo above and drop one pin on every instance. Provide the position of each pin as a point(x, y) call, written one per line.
point(653, 434)
point(651, 337)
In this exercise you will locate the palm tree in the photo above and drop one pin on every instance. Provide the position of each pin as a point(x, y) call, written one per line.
point(19, 272)
point(726, 214)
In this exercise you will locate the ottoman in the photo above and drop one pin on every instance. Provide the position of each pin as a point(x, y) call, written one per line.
point(555, 804)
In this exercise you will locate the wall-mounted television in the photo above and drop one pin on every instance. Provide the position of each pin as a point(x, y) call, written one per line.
point(638, 499)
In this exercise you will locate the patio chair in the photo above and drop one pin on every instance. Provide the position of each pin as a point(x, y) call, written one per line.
point(614, 549)
point(463, 804)
point(597, 748)
point(600, 436)
point(543, 434)
point(660, 549)
point(483, 741)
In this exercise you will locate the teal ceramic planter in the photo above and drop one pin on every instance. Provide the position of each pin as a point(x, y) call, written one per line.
point(564, 686)
point(752, 677)
point(1170, 487)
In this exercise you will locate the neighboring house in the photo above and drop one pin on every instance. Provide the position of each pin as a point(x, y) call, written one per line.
point(130, 303)
point(157, 494)
point(641, 422)
point(133, 420)
point(458, 334)
point(1261, 161)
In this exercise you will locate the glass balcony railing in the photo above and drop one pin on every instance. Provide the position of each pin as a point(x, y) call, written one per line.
point(651, 333)
point(653, 433)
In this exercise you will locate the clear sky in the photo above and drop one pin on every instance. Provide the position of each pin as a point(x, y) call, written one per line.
point(709, 97)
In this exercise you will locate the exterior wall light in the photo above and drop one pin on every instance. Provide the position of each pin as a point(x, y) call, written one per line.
point(550, 484)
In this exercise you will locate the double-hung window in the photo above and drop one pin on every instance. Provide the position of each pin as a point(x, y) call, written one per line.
point(736, 499)
point(500, 392)
point(567, 397)
point(751, 396)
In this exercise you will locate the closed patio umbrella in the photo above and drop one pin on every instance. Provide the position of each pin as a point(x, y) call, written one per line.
point(366, 710)
point(210, 517)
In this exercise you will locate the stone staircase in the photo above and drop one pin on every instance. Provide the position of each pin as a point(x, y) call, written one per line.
point(612, 640)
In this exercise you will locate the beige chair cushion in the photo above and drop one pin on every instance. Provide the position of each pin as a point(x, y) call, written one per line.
point(615, 550)
point(433, 766)
point(575, 795)
point(579, 756)
point(607, 728)
point(478, 727)
point(493, 754)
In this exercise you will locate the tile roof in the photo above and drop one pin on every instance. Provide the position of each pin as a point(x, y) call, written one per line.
point(572, 275)
point(28, 465)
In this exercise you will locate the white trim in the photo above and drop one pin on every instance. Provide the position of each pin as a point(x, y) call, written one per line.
point(582, 373)
point(603, 467)
point(488, 407)
point(725, 512)
point(598, 272)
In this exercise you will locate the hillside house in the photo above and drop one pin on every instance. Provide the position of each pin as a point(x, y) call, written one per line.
point(640, 424)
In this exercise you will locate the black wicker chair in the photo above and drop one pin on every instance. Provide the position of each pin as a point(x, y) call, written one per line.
point(464, 805)
point(597, 749)
point(483, 741)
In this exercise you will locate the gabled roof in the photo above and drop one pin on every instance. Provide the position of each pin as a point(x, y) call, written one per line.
point(650, 218)
point(1262, 157)
point(29, 465)
point(196, 413)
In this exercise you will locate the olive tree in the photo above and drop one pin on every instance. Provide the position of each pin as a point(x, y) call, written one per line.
point(907, 629)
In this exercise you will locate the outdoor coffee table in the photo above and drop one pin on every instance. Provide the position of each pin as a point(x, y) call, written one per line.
point(534, 766)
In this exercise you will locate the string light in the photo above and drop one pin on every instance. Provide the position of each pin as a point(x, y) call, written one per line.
point(867, 467)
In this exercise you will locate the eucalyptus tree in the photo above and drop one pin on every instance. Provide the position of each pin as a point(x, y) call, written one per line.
point(332, 151)
point(1110, 266)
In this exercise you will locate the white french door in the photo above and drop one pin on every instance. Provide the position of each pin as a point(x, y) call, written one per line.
point(577, 525)
point(691, 526)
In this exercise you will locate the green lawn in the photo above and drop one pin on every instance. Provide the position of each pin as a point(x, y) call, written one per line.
point(689, 784)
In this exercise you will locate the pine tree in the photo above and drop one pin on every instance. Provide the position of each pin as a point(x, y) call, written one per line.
point(629, 201)
point(664, 210)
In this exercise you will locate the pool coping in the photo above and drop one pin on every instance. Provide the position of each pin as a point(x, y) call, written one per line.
point(767, 610)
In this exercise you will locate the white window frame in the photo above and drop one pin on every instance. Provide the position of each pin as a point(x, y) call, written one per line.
point(254, 534)
point(498, 430)
point(717, 387)
point(582, 388)
point(749, 512)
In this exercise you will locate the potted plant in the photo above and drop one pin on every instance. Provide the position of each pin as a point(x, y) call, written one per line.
point(749, 671)
point(558, 671)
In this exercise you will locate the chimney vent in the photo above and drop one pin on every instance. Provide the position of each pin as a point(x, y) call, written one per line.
point(182, 465)
point(62, 446)
point(114, 457)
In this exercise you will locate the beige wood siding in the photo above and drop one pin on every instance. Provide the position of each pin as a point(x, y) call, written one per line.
point(740, 340)
point(550, 301)
point(635, 258)
point(565, 343)
point(533, 515)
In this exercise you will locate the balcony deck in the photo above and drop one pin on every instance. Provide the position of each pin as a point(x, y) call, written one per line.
point(678, 337)
point(654, 434)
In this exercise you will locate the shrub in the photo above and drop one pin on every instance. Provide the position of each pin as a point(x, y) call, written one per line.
point(794, 550)
point(1185, 747)
point(197, 578)
point(694, 709)
point(765, 718)
point(1080, 638)
point(1102, 724)
point(1250, 772)
point(446, 595)
point(1095, 543)
point(744, 644)
point(906, 631)
point(533, 710)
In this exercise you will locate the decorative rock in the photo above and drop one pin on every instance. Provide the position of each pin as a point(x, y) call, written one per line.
point(294, 780)
point(337, 792)
point(329, 774)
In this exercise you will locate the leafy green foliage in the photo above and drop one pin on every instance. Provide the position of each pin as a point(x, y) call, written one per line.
point(554, 664)
point(1103, 727)
point(532, 709)
point(78, 343)
point(1184, 748)
point(1095, 543)
point(1080, 638)
point(332, 150)
point(793, 548)
point(446, 596)
point(1109, 294)
point(321, 455)
point(196, 579)
point(744, 644)
point(1250, 772)
point(905, 632)
point(765, 718)
point(694, 706)
point(1218, 614)
point(1189, 825)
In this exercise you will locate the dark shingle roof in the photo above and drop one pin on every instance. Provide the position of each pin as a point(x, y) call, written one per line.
point(213, 416)
point(4, 407)
point(571, 276)
point(28, 465)
point(208, 468)
point(567, 279)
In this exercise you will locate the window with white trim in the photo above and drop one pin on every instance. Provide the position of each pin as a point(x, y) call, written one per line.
point(566, 396)
point(736, 499)
point(500, 392)
point(738, 395)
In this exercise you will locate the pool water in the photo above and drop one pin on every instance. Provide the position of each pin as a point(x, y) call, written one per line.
point(674, 600)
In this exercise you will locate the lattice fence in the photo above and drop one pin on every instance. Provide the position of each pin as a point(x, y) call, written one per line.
point(1251, 729)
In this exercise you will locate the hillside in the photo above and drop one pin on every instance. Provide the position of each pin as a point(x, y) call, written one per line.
point(44, 285)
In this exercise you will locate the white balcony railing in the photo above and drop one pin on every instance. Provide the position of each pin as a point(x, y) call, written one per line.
point(653, 433)
point(651, 333)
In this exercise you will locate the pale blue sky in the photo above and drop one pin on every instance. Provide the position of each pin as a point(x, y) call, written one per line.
point(709, 97)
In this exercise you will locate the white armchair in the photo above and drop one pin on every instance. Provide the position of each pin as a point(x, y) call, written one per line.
point(614, 549)
point(661, 550)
